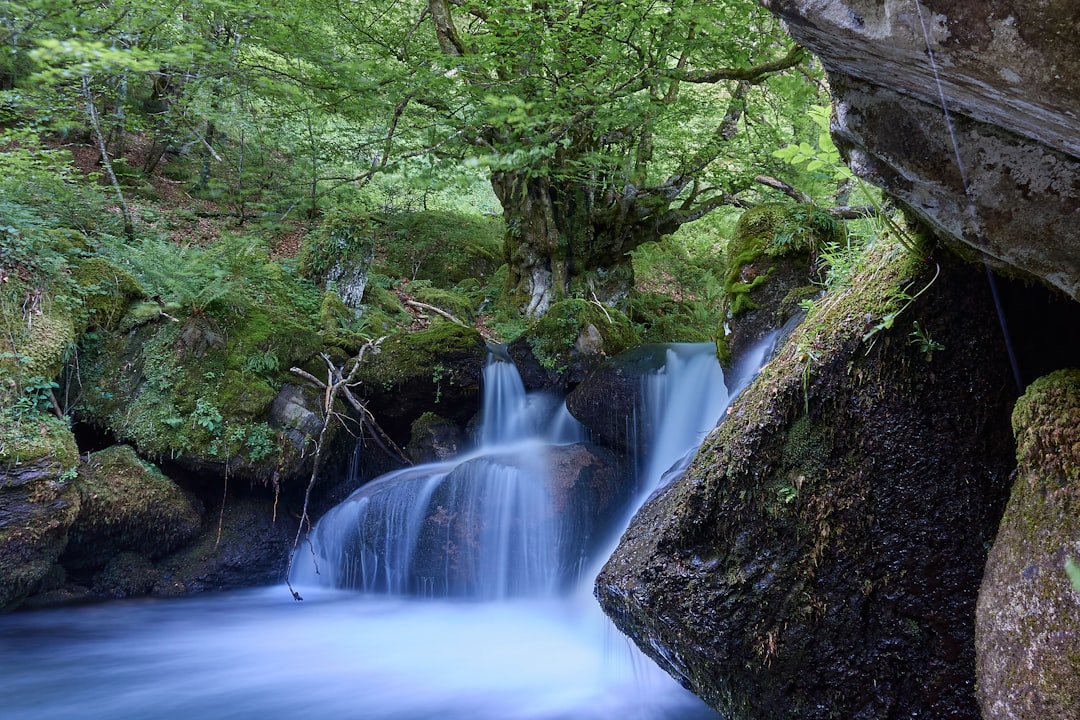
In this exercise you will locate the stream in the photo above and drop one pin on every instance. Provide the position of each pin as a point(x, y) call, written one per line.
point(510, 639)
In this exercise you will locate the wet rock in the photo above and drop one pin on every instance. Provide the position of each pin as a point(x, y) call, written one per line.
point(821, 556)
point(244, 544)
point(38, 505)
point(434, 439)
point(770, 270)
point(1028, 624)
point(609, 400)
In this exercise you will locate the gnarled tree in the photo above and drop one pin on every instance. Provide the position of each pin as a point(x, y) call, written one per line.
point(607, 125)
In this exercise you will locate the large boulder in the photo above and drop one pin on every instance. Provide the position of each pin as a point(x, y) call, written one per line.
point(609, 402)
point(1028, 624)
point(998, 173)
point(821, 556)
point(433, 370)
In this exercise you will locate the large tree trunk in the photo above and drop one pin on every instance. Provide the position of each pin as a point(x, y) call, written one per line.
point(560, 241)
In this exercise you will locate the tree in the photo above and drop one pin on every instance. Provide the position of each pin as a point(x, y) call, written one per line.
point(605, 125)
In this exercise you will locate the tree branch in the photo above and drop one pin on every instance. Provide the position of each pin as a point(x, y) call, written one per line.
point(753, 75)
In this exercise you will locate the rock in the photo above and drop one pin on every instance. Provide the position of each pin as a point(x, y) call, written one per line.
point(822, 554)
point(1027, 637)
point(126, 505)
point(1009, 73)
point(770, 270)
point(459, 545)
point(243, 545)
point(609, 400)
point(37, 503)
point(434, 439)
point(437, 370)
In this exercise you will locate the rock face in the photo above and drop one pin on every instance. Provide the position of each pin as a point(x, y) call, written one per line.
point(37, 508)
point(1000, 172)
point(1028, 622)
point(821, 557)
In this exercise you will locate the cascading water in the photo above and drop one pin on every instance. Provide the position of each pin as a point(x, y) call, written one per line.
point(491, 526)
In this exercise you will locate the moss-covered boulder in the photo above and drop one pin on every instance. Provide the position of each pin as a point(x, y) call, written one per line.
point(574, 336)
point(436, 370)
point(107, 290)
point(38, 502)
point(197, 391)
point(1028, 623)
point(127, 505)
point(769, 270)
point(821, 557)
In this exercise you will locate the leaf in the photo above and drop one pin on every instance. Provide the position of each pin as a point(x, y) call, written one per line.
point(1073, 571)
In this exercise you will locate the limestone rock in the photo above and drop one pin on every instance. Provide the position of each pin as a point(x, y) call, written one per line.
point(1000, 173)
point(822, 554)
point(1028, 623)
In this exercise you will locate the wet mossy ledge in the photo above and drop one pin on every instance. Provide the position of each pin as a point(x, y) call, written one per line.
point(770, 270)
point(822, 555)
point(1028, 622)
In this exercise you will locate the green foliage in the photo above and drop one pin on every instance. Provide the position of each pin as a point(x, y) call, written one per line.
point(678, 289)
point(554, 337)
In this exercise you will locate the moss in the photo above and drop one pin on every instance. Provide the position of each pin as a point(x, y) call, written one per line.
point(1046, 421)
point(458, 305)
point(769, 231)
point(32, 436)
point(128, 505)
point(556, 336)
point(36, 348)
point(106, 291)
point(406, 356)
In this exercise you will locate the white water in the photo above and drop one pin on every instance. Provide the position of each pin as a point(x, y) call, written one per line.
point(516, 649)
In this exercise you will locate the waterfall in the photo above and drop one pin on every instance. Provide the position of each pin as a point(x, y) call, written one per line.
point(485, 525)
point(481, 526)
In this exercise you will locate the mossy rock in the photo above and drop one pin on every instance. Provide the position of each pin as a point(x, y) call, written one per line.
point(456, 304)
point(42, 341)
point(196, 391)
point(127, 505)
point(769, 264)
point(843, 505)
point(437, 370)
point(106, 291)
point(573, 331)
point(434, 438)
point(37, 502)
point(1027, 638)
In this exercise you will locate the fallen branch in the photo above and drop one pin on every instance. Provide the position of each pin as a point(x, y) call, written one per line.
point(335, 383)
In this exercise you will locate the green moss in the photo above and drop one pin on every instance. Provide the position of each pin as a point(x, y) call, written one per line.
point(33, 435)
point(406, 356)
point(556, 336)
point(458, 305)
point(769, 231)
point(127, 505)
point(106, 291)
point(1046, 421)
